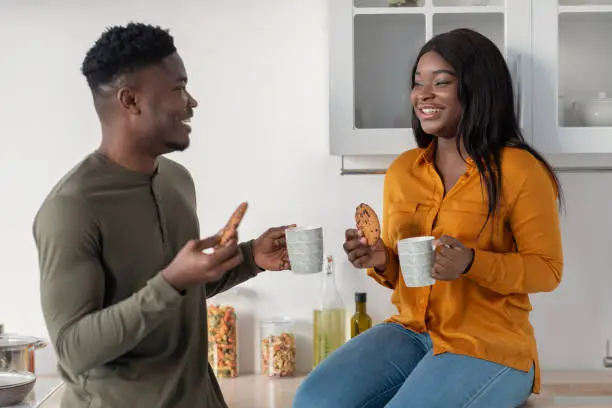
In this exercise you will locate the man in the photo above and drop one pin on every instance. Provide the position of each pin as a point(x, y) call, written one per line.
point(124, 274)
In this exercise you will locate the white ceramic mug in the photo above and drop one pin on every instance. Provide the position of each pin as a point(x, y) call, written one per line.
point(305, 249)
point(416, 258)
point(416, 244)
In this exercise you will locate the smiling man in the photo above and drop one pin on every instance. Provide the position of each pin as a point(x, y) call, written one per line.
point(124, 274)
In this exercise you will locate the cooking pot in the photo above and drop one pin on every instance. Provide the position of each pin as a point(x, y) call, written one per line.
point(17, 352)
point(15, 386)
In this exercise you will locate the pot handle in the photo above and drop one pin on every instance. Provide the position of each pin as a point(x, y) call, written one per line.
point(40, 343)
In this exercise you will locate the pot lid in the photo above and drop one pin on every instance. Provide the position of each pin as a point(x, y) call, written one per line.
point(13, 379)
point(13, 342)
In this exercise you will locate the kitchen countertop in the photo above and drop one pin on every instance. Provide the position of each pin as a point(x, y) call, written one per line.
point(43, 388)
point(567, 389)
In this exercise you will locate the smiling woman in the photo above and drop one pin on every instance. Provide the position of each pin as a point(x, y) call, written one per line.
point(440, 115)
point(466, 339)
point(463, 73)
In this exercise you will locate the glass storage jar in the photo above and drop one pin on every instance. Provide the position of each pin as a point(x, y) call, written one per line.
point(277, 347)
point(223, 340)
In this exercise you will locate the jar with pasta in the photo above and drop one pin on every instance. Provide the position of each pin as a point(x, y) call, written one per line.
point(223, 340)
point(277, 347)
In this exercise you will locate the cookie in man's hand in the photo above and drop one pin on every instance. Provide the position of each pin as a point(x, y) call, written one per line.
point(367, 222)
point(233, 223)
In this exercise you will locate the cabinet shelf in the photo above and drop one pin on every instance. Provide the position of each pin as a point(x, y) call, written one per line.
point(589, 137)
point(360, 142)
point(468, 10)
point(429, 10)
point(586, 9)
point(389, 10)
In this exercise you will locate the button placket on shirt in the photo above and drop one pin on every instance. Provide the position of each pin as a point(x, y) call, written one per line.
point(440, 199)
point(465, 177)
point(163, 225)
point(437, 196)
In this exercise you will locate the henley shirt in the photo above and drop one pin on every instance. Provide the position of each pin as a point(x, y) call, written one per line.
point(123, 336)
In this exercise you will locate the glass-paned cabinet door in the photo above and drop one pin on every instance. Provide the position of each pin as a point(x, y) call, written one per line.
point(373, 47)
point(572, 83)
point(386, 46)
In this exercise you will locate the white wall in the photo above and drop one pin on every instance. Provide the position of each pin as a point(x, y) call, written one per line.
point(259, 71)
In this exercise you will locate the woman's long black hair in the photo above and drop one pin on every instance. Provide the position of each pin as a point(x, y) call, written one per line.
point(488, 122)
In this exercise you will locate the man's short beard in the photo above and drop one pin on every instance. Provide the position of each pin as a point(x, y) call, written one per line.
point(176, 147)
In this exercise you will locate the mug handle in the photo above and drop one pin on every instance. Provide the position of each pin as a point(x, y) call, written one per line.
point(433, 246)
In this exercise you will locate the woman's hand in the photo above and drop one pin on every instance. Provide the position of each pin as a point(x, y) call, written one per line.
point(362, 255)
point(452, 260)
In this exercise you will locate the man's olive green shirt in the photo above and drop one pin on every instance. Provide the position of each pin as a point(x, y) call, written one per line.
point(123, 336)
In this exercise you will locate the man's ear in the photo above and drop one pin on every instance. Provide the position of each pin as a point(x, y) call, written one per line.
point(129, 100)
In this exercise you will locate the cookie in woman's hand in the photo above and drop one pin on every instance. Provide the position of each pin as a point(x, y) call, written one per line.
point(367, 222)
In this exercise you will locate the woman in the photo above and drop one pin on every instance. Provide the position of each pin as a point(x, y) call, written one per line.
point(491, 201)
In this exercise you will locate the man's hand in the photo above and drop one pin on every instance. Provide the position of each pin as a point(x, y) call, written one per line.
point(270, 250)
point(192, 266)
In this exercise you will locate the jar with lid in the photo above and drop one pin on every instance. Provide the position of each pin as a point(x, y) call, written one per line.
point(223, 340)
point(277, 347)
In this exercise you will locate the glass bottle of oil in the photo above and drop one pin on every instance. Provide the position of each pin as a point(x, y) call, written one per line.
point(360, 321)
point(329, 317)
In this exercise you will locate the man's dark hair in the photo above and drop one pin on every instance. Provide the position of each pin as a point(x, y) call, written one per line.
point(124, 49)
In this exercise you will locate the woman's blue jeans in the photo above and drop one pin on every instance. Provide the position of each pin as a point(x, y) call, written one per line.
point(392, 367)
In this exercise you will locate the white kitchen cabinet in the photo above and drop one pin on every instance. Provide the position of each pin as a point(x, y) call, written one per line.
point(373, 47)
point(559, 54)
point(572, 65)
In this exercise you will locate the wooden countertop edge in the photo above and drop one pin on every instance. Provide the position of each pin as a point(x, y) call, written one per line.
point(548, 376)
point(552, 378)
point(50, 394)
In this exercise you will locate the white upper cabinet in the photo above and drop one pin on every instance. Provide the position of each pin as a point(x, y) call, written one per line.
point(373, 46)
point(572, 65)
point(559, 53)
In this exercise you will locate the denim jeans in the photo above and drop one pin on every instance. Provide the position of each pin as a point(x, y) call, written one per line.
point(392, 367)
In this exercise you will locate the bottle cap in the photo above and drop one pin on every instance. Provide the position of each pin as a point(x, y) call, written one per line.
point(360, 297)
